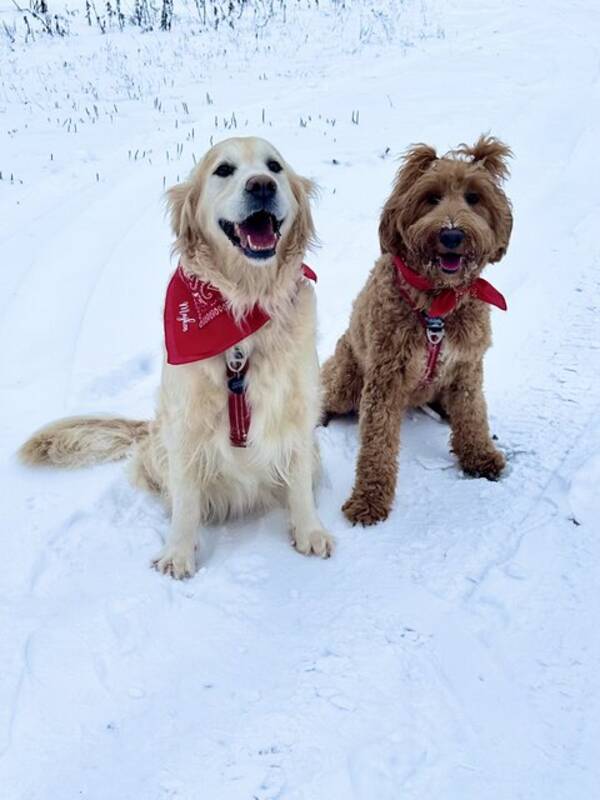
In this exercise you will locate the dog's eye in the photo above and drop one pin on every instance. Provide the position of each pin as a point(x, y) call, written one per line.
point(433, 198)
point(472, 198)
point(224, 170)
point(274, 166)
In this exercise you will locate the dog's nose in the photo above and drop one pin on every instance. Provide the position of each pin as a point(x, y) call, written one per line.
point(261, 187)
point(451, 237)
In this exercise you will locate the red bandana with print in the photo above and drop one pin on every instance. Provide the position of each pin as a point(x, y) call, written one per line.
point(199, 323)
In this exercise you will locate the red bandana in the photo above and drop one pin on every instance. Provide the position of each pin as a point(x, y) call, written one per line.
point(446, 300)
point(199, 323)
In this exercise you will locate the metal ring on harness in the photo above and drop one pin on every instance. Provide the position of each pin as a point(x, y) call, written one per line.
point(237, 360)
point(434, 328)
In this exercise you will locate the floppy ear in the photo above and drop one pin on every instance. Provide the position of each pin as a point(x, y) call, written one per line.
point(302, 234)
point(182, 200)
point(390, 239)
point(490, 153)
point(503, 227)
point(417, 160)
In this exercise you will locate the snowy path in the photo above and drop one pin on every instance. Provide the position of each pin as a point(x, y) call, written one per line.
point(451, 652)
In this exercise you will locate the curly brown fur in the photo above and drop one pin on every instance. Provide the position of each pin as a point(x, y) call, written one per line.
point(379, 361)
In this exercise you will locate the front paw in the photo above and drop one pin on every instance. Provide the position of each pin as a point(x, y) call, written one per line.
point(179, 563)
point(366, 509)
point(487, 463)
point(317, 542)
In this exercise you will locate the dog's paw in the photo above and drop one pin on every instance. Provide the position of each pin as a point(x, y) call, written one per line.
point(365, 509)
point(179, 563)
point(317, 542)
point(486, 464)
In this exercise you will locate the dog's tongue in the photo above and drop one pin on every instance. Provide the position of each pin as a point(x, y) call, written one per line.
point(450, 262)
point(257, 233)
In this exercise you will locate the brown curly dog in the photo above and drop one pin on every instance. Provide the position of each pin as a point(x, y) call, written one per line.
point(421, 325)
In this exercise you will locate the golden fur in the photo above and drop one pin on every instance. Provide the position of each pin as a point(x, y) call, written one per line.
point(185, 453)
point(379, 361)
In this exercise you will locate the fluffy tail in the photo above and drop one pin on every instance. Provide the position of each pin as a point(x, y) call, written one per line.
point(80, 441)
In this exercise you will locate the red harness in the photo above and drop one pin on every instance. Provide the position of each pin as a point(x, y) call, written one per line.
point(443, 304)
point(199, 324)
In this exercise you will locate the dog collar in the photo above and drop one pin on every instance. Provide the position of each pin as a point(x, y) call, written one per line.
point(445, 301)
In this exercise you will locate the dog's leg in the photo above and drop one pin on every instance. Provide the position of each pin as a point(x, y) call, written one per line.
point(342, 382)
point(308, 534)
point(382, 406)
point(471, 440)
point(178, 556)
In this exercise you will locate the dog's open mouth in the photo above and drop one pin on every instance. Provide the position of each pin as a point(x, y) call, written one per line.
point(450, 262)
point(256, 236)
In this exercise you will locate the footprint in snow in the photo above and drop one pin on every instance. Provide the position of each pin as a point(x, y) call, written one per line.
point(119, 379)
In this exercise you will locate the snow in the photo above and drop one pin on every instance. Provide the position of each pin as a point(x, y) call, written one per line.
point(452, 651)
point(584, 497)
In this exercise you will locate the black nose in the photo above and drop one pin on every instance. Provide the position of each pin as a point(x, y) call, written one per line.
point(261, 187)
point(451, 237)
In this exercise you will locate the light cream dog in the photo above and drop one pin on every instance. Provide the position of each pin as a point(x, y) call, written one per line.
point(242, 223)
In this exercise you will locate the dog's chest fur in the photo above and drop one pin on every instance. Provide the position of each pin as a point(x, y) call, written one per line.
point(467, 337)
point(282, 389)
point(382, 313)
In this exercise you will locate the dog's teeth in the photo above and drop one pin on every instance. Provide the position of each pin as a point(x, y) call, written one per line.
point(256, 247)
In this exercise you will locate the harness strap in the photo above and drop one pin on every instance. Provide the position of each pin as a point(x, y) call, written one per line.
point(434, 334)
point(433, 354)
point(239, 409)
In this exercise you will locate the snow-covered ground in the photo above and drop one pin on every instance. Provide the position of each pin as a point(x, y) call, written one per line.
point(450, 653)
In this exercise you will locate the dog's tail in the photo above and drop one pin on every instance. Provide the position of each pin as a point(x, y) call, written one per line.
point(81, 441)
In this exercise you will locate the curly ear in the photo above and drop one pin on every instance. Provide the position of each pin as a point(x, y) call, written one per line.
point(490, 153)
point(503, 226)
point(416, 161)
point(182, 200)
point(390, 239)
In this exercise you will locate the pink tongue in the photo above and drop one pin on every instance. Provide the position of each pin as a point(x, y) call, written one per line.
point(258, 236)
point(450, 262)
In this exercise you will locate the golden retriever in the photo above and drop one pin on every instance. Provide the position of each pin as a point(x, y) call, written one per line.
point(242, 224)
